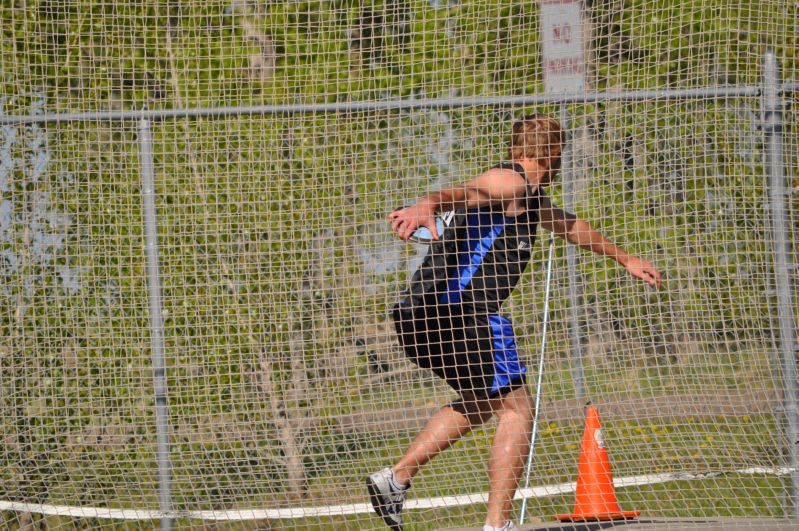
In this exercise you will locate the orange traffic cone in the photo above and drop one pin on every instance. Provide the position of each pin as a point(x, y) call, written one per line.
point(595, 497)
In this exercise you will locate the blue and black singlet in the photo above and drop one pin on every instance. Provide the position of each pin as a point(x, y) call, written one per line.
point(479, 258)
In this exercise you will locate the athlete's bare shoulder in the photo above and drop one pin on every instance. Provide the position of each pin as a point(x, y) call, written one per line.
point(506, 173)
point(499, 184)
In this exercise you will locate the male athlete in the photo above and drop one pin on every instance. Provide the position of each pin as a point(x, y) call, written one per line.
point(449, 321)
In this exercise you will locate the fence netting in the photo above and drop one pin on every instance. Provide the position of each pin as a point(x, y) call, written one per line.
point(286, 385)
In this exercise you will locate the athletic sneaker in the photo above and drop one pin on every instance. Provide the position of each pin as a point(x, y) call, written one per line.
point(387, 497)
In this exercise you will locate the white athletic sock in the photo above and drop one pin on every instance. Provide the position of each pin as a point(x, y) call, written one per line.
point(492, 528)
point(396, 484)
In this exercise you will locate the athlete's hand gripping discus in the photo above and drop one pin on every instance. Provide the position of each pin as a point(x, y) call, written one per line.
point(540, 374)
point(423, 234)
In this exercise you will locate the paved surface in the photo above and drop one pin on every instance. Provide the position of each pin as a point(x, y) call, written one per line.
point(664, 524)
point(657, 524)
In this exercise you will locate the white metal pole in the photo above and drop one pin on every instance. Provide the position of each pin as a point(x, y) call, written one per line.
point(540, 375)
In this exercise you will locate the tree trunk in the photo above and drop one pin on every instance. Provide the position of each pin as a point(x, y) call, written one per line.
point(288, 429)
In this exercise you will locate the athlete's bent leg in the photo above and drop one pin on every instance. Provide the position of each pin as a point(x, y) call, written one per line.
point(444, 429)
point(508, 453)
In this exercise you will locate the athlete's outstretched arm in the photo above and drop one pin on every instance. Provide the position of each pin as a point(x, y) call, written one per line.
point(492, 187)
point(576, 231)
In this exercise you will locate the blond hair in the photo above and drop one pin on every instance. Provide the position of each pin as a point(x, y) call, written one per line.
point(538, 137)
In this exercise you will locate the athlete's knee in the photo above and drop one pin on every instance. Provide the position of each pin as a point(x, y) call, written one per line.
point(517, 404)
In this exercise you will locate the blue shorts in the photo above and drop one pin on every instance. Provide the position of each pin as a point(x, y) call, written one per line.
point(470, 351)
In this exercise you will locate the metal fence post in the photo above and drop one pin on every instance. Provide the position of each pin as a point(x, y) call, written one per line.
point(575, 337)
point(156, 323)
point(772, 128)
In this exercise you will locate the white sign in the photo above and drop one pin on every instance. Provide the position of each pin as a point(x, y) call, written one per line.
point(562, 46)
